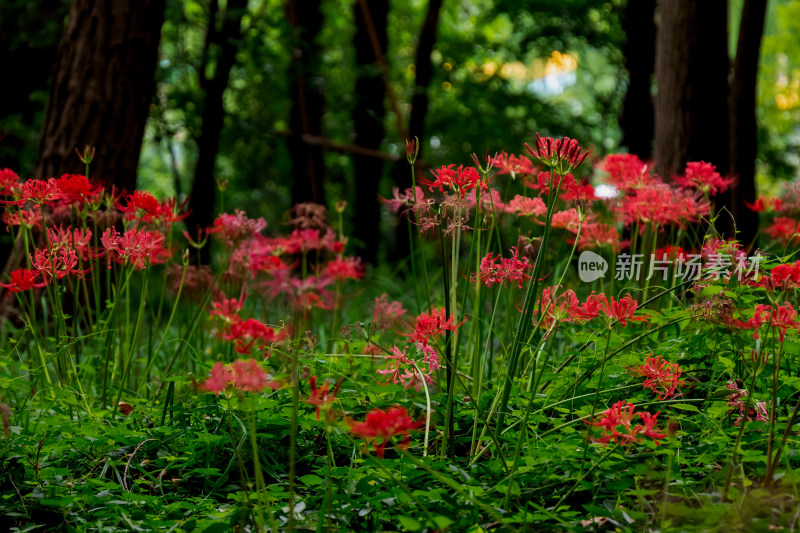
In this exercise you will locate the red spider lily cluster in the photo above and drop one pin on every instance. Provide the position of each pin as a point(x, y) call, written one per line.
point(499, 270)
point(383, 425)
point(738, 400)
point(322, 397)
point(661, 376)
point(246, 334)
point(564, 152)
point(243, 375)
point(779, 318)
point(618, 425)
point(459, 180)
point(565, 307)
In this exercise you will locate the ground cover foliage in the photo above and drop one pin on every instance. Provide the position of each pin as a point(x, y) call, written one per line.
point(501, 379)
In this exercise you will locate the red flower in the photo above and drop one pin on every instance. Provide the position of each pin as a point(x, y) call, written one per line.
point(510, 270)
point(524, 206)
point(552, 152)
point(386, 313)
point(429, 324)
point(626, 172)
point(246, 333)
point(78, 190)
point(512, 164)
point(343, 268)
point(407, 199)
point(765, 203)
point(248, 375)
point(237, 227)
point(28, 218)
point(704, 177)
point(661, 376)
point(58, 263)
point(220, 377)
point(558, 307)
point(545, 180)
point(8, 180)
point(136, 247)
point(620, 310)
point(143, 206)
point(321, 397)
point(617, 424)
point(384, 425)
point(783, 229)
point(780, 318)
point(596, 235)
point(23, 279)
point(461, 180)
point(39, 192)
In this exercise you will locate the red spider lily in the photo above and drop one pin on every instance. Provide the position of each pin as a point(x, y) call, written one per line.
point(545, 180)
point(246, 375)
point(429, 324)
point(595, 235)
point(558, 307)
point(321, 397)
point(308, 240)
point(704, 177)
point(237, 227)
point(512, 164)
point(412, 150)
point(738, 400)
point(221, 376)
point(626, 172)
point(765, 203)
point(618, 427)
point(251, 333)
point(227, 309)
point(23, 279)
point(582, 193)
point(779, 318)
point(143, 206)
point(569, 219)
point(670, 252)
point(620, 310)
point(406, 200)
point(783, 276)
point(77, 190)
point(39, 192)
point(343, 268)
point(511, 270)
point(56, 263)
point(564, 151)
point(461, 180)
point(8, 181)
point(524, 206)
point(402, 369)
point(661, 376)
point(77, 239)
point(27, 218)
point(136, 247)
point(384, 425)
point(783, 229)
point(309, 215)
point(387, 313)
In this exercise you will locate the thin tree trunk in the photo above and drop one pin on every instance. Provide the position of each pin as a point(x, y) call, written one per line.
point(368, 114)
point(743, 126)
point(637, 120)
point(691, 119)
point(102, 88)
point(203, 195)
point(305, 116)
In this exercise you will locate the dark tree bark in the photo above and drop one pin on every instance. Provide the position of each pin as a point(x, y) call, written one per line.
point(102, 88)
point(226, 41)
point(371, 20)
point(637, 120)
point(29, 35)
point(308, 101)
point(424, 71)
point(419, 111)
point(743, 127)
point(691, 110)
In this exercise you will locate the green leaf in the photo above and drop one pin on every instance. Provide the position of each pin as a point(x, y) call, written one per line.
point(409, 523)
point(310, 480)
point(685, 407)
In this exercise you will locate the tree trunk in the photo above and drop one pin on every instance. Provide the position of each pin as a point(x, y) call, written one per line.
point(305, 116)
point(691, 119)
point(226, 40)
point(743, 127)
point(368, 114)
point(637, 120)
point(102, 88)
